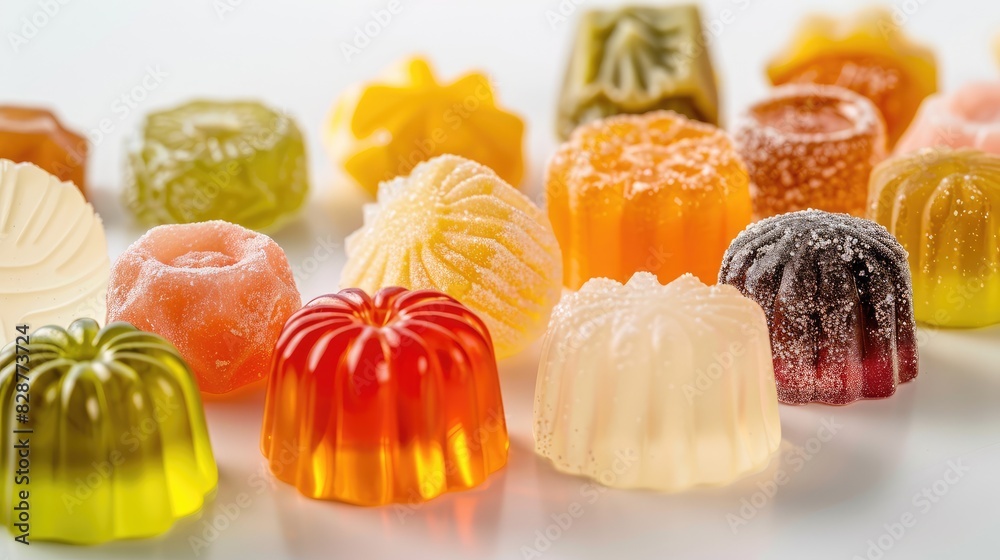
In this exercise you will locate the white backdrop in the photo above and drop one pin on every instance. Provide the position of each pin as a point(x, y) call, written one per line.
point(845, 478)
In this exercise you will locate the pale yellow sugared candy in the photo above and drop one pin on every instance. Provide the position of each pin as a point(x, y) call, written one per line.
point(53, 254)
point(663, 387)
point(453, 225)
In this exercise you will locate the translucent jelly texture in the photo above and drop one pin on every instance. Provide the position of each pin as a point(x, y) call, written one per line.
point(36, 136)
point(943, 206)
point(53, 254)
point(968, 117)
point(663, 387)
point(810, 146)
point(380, 130)
point(394, 398)
point(237, 161)
point(836, 291)
point(115, 405)
point(638, 59)
point(219, 292)
point(655, 192)
point(867, 53)
point(454, 226)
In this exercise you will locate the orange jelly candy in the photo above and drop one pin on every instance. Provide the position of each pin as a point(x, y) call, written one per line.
point(36, 136)
point(391, 398)
point(656, 192)
point(810, 146)
point(218, 292)
point(868, 54)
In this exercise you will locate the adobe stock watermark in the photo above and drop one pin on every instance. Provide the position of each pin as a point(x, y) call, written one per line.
point(900, 13)
point(560, 13)
point(921, 503)
point(365, 33)
point(259, 482)
point(29, 26)
point(792, 462)
point(590, 493)
point(225, 7)
point(324, 249)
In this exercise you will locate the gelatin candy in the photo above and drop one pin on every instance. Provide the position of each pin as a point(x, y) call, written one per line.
point(219, 292)
point(654, 192)
point(837, 295)
point(453, 225)
point(397, 396)
point(118, 444)
point(810, 146)
point(943, 206)
point(645, 382)
point(380, 130)
point(237, 161)
point(969, 117)
point(636, 60)
point(868, 54)
point(53, 254)
point(36, 136)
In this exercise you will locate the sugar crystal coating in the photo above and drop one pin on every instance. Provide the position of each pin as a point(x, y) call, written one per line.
point(454, 226)
point(398, 393)
point(968, 117)
point(810, 146)
point(36, 136)
point(238, 161)
point(219, 292)
point(675, 379)
point(867, 53)
point(382, 130)
point(638, 59)
point(836, 291)
point(118, 446)
point(655, 192)
point(53, 254)
point(943, 206)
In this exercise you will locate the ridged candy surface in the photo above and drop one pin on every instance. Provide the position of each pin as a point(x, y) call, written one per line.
point(944, 207)
point(53, 254)
point(836, 291)
point(649, 386)
point(119, 448)
point(454, 226)
point(656, 192)
point(391, 398)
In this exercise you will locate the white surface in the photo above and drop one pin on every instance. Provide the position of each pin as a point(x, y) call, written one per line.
point(837, 495)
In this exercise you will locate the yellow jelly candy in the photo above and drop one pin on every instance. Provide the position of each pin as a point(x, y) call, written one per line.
point(454, 226)
point(381, 130)
point(868, 54)
point(943, 206)
point(114, 435)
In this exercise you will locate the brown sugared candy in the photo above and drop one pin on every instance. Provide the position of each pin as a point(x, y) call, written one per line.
point(36, 136)
point(810, 146)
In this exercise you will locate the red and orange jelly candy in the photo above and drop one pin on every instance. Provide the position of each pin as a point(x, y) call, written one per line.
point(810, 146)
point(36, 136)
point(656, 192)
point(391, 398)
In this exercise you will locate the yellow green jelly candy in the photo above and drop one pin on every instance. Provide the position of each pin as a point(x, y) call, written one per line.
point(211, 160)
point(107, 429)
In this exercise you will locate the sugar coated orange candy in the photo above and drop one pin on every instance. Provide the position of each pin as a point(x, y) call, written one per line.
point(867, 53)
point(810, 146)
point(219, 292)
point(36, 136)
point(656, 192)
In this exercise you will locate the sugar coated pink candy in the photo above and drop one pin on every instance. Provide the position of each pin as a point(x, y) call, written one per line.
point(967, 118)
point(219, 292)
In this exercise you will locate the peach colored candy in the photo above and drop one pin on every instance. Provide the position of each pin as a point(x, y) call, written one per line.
point(969, 117)
point(219, 292)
